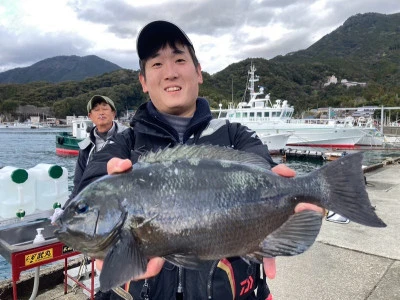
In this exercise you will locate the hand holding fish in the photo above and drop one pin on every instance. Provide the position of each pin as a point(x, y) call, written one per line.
point(154, 266)
point(117, 165)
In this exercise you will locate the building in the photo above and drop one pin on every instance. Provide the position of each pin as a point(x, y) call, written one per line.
point(73, 118)
point(347, 83)
point(331, 80)
point(365, 112)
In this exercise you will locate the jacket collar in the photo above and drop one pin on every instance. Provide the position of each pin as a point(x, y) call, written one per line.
point(148, 114)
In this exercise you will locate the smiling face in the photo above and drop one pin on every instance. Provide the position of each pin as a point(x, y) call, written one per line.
point(172, 80)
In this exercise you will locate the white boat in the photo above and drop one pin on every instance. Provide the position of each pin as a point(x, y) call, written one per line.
point(67, 142)
point(266, 118)
point(276, 142)
point(373, 136)
point(392, 142)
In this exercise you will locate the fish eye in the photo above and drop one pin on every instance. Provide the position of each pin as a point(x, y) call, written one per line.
point(82, 208)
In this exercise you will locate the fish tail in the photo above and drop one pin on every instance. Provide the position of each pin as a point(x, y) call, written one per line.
point(343, 190)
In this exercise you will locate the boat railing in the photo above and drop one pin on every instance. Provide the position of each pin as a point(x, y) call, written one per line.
point(311, 121)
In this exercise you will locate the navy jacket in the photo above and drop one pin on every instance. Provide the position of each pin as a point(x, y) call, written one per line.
point(150, 131)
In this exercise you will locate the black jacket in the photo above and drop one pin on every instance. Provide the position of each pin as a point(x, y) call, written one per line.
point(150, 131)
point(87, 146)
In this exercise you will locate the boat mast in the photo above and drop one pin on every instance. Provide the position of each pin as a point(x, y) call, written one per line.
point(232, 90)
point(253, 78)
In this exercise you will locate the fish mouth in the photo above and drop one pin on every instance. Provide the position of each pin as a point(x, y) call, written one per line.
point(94, 243)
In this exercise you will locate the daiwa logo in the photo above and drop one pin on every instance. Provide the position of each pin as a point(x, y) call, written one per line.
point(247, 285)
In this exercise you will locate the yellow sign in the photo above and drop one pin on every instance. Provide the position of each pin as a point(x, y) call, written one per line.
point(36, 257)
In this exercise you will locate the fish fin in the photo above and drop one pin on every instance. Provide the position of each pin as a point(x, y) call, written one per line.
point(213, 152)
point(123, 262)
point(185, 261)
point(345, 191)
point(295, 236)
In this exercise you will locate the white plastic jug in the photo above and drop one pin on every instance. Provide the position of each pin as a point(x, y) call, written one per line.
point(17, 192)
point(51, 185)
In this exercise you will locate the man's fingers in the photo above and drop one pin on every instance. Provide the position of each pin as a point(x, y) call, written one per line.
point(308, 206)
point(284, 171)
point(154, 267)
point(118, 165)
point(99, 264)
point(269, 267)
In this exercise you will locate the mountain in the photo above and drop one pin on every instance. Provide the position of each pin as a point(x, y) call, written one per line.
point(366, 48)
point(60, 68)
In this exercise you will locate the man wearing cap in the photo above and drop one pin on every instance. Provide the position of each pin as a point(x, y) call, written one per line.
point(102, 112)
point(170, 73)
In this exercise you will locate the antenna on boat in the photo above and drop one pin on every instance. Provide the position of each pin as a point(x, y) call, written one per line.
point(232, 89)
point(246, 88)
point(251, 78)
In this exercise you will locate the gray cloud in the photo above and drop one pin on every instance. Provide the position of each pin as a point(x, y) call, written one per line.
point(209, 20)
point(30, 47)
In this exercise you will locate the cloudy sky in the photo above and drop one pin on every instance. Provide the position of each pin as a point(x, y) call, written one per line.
point(223, 31)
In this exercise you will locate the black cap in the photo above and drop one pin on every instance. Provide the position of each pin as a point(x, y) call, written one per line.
point(156, 34)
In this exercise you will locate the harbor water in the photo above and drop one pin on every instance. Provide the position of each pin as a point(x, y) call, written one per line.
point(25, 148)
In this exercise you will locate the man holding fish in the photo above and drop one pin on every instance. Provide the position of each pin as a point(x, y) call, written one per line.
point(170, 73)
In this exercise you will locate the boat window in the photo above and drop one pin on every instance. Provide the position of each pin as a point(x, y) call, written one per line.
point(266, 114)
point(78, 125)
point(276, 113)
point(259, 114)
point(251, 115)
point(238, 115)
point(245, 115)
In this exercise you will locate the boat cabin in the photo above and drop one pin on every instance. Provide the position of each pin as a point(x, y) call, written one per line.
point(81, 128)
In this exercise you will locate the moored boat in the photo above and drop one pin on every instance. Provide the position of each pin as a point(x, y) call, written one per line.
point(373, 136)
point(276, 142)
point(266, 118)
point(67, 142)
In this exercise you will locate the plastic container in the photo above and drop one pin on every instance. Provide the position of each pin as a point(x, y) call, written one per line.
point(17, 193)
point(51, 185)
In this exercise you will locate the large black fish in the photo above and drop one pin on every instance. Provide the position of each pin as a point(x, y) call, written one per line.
point(192, 203)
